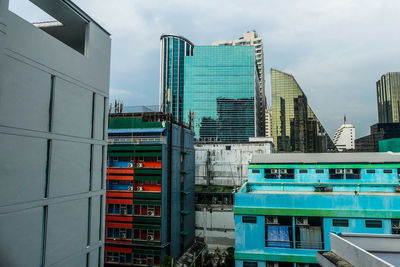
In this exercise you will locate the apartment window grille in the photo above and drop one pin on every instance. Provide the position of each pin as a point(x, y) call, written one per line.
point(309, 233)
point(370, 171)
point(340, 222)
point(319, 171)
point(387, 171)
point(249, 219)
point(373, 223)
point(395, 227)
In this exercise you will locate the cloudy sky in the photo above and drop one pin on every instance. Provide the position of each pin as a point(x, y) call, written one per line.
point(336, 50)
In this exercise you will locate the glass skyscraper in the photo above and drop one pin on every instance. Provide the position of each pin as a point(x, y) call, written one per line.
point(295, 127)
point(173, 50)
point(222, 93)
point(388, 96)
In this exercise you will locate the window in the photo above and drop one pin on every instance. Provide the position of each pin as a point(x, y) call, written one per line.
point(249, 264)
point(319, 171)
point(228, 147)
point(336, 173)
point(387, 171)
point(303, 171)
point(287, 173)
point(271, 173)
point(353, 173)
point(370, 171)
point(373, 223)
point(279, 231)
point(255, 171)
point(249, 219)
point(396, 227)
point(341, 222)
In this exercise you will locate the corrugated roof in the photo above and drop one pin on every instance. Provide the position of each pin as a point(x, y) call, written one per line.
point(311, 158)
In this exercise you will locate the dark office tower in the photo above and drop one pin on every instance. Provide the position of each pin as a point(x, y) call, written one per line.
point(295, 127)
point(388, 96)
point(172, 52)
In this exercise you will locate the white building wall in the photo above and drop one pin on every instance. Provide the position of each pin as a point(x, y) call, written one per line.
point(53, 119)
point(344, 138)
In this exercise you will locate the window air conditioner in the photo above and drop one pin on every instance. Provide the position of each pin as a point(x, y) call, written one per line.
point(272, 220)
point(150, 237)
point(123, 235)
point(130, 165)
point(130, 188)
point(349, 171)
point(139, 188)
point(274, 171)
point(124, 211)
point(338, 171)
point(301, 221)
point(283, 171)
point(139, 165)
point(150, 212)
point(395, 224)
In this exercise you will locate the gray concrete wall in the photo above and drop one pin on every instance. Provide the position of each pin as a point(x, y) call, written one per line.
point(228, 162)
point(53, 144)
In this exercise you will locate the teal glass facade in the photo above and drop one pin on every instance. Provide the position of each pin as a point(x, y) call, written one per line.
point(174, 48)
point(221, 93)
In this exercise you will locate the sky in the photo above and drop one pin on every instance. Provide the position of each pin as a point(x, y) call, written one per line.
point(336, 50)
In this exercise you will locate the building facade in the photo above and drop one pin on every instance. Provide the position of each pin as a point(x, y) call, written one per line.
point(222, 93)
point(268, 122)
point(252, 38)
point(388, 96)
point(53, 110)
point(286, 211)
point(173, 49)
point(295, 127)
point(150, 189)
point(379, 132)
point(344, 138)
point(220, 169)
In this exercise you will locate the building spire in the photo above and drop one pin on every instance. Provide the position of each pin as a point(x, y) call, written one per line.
point(345, 118)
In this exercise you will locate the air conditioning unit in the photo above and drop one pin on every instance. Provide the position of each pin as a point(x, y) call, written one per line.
point(274, 171)
point(124, 211)
point(283, 171)
point(139, 188)
point(139, 165)
point(349, 171)
point(395, 224)
point(123, 235)
point(130, 165)
point(150, 212)
point(130, 188)
point(272, 220)
point(150, 237)
point(338, 171)
point(301, 221)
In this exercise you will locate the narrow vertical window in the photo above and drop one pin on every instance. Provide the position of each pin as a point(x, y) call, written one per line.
point(91, 167)
point(44, 237)
point(89, 227)
point(51, 102)
point(102, 167)
point(48, 169)
point(101, 219)
point(93, 110)
point(104, 118)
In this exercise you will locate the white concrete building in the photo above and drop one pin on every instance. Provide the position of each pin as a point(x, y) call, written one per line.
point(54, 85)
point(252, 38)
point(220, 169)
point(268, 122)
point(344, 138)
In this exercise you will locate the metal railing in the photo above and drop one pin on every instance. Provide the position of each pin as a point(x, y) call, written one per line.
point(136, 140)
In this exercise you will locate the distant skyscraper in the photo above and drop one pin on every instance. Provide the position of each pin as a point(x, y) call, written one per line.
point(268, 122)
point(173, 50)
point(222, 92)
point(388, 96)
point(344, 138)
point(252, 38)
point(295, 127)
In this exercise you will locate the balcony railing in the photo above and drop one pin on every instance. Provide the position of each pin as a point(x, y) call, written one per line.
point(137, 140)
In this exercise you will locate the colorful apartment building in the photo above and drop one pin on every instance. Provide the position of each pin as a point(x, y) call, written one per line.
point(150, 189)
point(292, 202)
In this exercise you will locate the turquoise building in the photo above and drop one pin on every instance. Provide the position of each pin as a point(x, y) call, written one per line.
point(221, 89)
point(291, 202)
point(173, 49)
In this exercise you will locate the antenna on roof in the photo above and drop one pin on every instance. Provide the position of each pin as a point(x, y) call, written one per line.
point(345, 118)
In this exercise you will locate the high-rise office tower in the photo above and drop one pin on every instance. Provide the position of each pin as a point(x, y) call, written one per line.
point(54, 84)
point(253, 39)
point(222, 93)
point(295, 127)
point(345, 136)
point(173, 49)
point(388, 96)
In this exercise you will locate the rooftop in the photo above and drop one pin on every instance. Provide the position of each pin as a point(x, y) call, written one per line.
point(320, 158)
